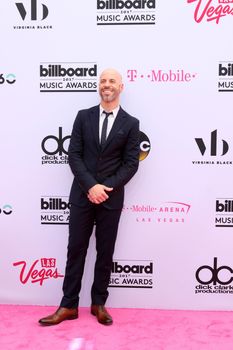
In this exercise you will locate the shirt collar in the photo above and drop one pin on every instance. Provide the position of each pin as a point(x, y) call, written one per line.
point(114, 111)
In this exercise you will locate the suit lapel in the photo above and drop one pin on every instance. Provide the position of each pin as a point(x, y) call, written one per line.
point(94, 122)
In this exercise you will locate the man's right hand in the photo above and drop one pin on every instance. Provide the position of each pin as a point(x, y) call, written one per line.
point(97, 194)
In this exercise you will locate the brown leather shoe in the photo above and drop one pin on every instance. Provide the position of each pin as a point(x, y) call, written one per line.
point(60, 315)
point(101, 314)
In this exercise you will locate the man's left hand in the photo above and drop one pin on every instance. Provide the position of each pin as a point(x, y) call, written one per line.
point(97, 194)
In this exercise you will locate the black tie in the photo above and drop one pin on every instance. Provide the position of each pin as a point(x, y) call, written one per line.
point(104, 128)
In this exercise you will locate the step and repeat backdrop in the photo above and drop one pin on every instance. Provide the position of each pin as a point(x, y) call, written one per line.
point(175, 241)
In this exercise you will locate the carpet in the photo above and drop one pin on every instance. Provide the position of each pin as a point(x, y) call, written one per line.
point(133, 329)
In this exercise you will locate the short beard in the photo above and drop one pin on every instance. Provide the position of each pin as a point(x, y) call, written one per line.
point(109, 98)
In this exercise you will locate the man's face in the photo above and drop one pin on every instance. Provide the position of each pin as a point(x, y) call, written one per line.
point(110, 86)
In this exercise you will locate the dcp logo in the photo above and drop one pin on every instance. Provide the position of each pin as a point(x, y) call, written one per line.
point(144, 146)
point(214, 274)
point(6, 209)
point(59, 144)
point(21, 8)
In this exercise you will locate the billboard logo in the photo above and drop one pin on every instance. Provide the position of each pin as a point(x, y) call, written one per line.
point(225, 77)
point(33, 10)
point(132, 274)
point(125, 4)
point(55, 210)
point(68, 77)
point(224, 212)
point(224, 70)
point(125, 12)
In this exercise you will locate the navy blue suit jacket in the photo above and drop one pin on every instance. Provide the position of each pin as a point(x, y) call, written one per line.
point(113, 165)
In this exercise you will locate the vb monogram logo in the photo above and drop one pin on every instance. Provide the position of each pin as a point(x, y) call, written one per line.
point(21, 8)
point(213, 145)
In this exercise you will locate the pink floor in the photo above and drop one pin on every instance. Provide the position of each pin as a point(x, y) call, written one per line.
point(133, 329)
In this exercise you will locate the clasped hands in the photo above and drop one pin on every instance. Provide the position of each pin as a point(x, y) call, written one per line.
point(97, 194)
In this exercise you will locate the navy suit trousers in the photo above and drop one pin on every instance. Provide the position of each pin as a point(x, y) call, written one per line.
point(82, 221)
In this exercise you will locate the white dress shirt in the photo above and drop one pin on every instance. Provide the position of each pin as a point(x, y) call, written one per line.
point(111, 119)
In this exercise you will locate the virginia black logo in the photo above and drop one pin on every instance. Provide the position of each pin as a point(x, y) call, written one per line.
point(213, 145)
point(33, 10)
point(212, 150)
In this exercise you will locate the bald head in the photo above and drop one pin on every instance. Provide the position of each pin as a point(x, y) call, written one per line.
point(110, 87)
point(111, 72)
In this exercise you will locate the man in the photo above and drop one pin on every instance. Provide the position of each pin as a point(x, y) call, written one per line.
point(103, 156)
